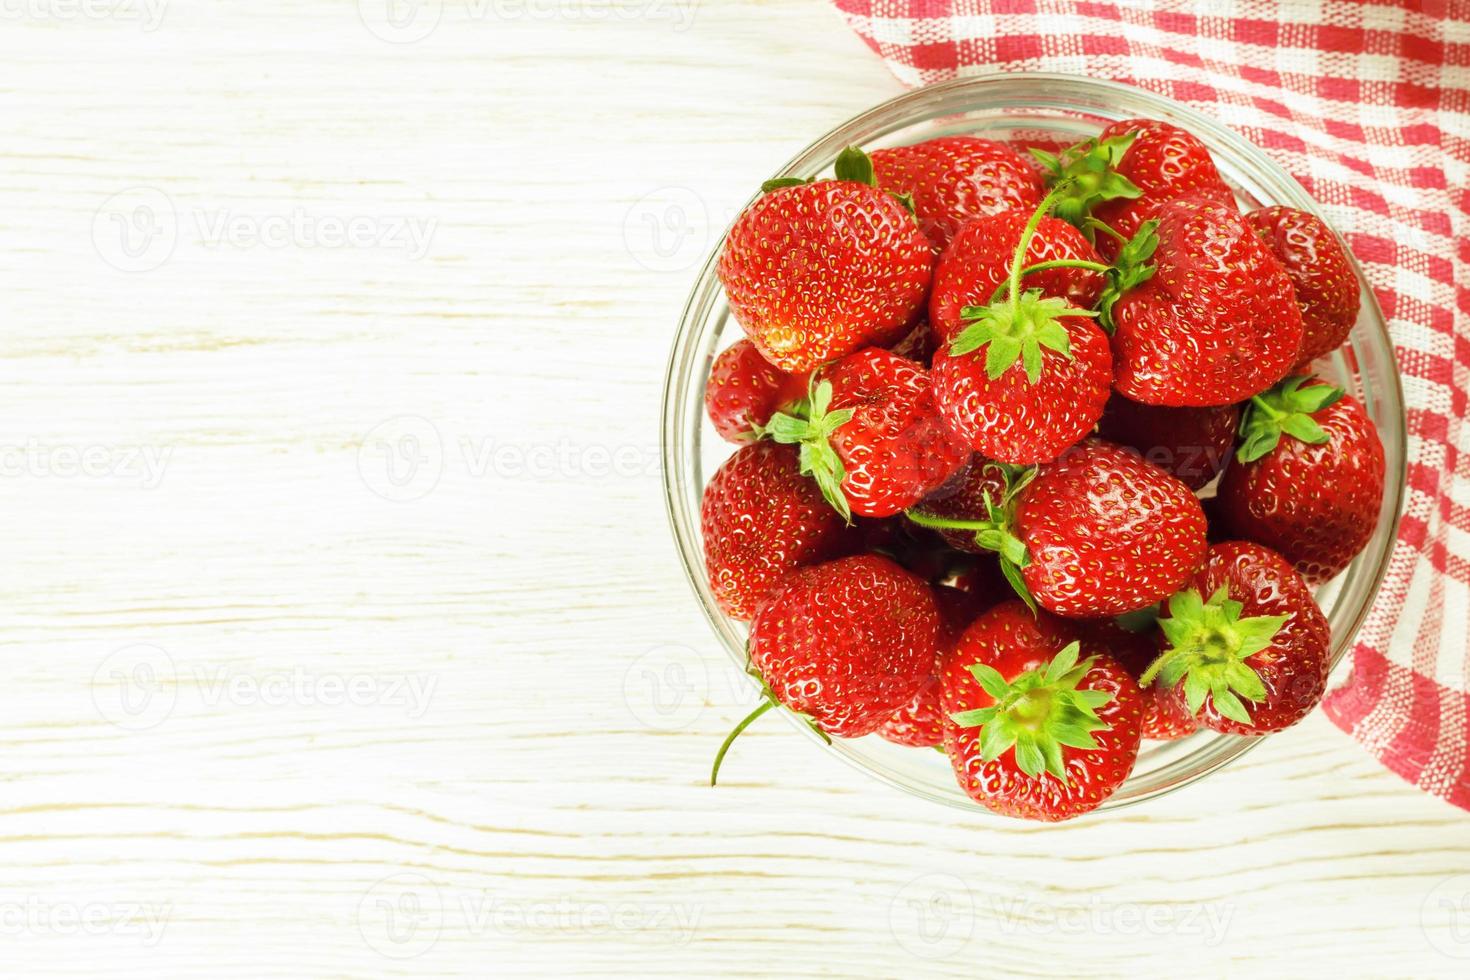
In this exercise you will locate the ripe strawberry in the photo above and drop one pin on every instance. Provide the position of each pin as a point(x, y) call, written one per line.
point(1128, 172)
point(1212, 319)
point(1031, 731)
point(813, 271)
point(955, 179)
point(1107, 533)
point(844, 644)
point(1194, 444)
point(760, 519)
point(1044, 378)
point(1258, 637)
point(1164, 719)
point(1321, 275)
point(744, 390)
point(1308, 479)
point(920, 723)
point(978, 261)
point(1099, 532)
point(871, 435)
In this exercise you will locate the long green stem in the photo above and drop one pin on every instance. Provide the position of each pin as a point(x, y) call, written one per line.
point(714, 772)
point(924, 519)
point(1053, 264)
point(1027, 234)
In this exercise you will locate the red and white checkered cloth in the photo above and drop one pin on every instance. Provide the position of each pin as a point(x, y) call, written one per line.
point(1368, 105)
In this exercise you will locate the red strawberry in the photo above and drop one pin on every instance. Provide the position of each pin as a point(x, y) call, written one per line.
point(1099, 532)
point(1254, 656)
point(1320, 273)
point(1194, 444)
point(744, 390)
point(760, 519)
point(1107, 533)
point(1128, 172)
point(1308, 479)
point(871, 435)
point(978, 261)
point(955, 179)
point(920, 723)
point(1212, 319)
point(1031, 731)
point(1164, 719)
point(1044, 377)
point(844, 644)
point(818, 270)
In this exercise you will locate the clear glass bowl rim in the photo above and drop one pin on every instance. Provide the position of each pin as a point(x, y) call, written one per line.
point(1068, 94)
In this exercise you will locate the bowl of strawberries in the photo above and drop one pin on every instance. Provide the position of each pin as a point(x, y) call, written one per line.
point(1040, 421)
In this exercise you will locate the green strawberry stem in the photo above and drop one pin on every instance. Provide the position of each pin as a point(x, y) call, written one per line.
point(1209, 644)
point(1038, 713)
point(809, 424)
point(1018, 328)
point(1286, 409)
point(1052, 264)
point(762, 708)
point(996, 532)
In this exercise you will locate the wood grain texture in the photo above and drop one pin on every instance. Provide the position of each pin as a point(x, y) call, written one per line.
point(346, 636)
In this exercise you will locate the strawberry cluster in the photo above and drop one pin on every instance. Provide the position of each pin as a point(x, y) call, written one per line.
point(1033, 464)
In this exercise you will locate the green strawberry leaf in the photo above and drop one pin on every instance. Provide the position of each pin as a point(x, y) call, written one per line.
point(776, 183)
point(1089, 168)
point(1285, 410)
point(853, 164)
point(1132, 269)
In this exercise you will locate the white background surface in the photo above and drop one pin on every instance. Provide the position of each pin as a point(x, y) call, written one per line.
point(344, 630)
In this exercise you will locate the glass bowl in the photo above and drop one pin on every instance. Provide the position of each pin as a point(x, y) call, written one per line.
point(1064, 109)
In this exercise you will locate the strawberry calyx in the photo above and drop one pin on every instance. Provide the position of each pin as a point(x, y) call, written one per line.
point(1209, 644)
point(1038, 713)
point(851, 164)
point(1131, 269)
point(1019, 325)
point(1285, 409)
point(810, 424)
point(1089, 170)
point(996, 531)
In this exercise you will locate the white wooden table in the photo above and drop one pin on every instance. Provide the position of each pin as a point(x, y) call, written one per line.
point(345, 634)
